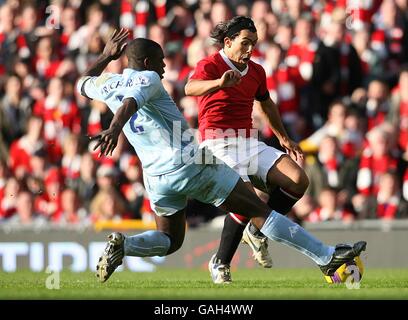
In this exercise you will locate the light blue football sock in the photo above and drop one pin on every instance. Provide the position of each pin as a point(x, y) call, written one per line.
point(147, 244)
point(279, 228)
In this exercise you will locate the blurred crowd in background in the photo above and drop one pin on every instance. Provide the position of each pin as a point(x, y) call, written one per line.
point(336, 69)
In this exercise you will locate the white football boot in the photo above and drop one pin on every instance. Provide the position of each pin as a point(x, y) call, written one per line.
point(259, 246)
point(112, 256)
point(220, 273)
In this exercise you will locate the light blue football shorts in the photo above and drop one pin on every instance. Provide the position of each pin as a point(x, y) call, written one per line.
point(208, 183)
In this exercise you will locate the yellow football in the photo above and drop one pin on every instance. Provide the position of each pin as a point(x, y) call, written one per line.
point(352, 270)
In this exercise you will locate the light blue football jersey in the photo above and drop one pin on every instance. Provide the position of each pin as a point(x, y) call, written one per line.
point(158, 131)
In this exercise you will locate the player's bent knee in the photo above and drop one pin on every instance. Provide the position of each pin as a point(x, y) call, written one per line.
point(300, 182)
point(303, 182)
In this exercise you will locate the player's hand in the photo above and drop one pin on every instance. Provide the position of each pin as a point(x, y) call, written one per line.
point(292, 148)
point(116, 44)
point(230, 78)
point(107, 140)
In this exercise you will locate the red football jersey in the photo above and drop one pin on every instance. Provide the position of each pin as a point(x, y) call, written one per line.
point(228, 108)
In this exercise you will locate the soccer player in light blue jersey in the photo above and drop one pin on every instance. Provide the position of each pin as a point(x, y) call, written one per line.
point(172, 163)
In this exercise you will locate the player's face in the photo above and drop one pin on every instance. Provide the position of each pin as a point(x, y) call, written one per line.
point(156, 63)
point(240, 48)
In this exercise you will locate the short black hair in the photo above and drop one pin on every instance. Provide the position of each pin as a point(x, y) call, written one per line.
point(232, 28)
point(140, 48)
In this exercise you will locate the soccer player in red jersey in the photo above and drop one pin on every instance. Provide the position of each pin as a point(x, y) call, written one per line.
point(227, 83)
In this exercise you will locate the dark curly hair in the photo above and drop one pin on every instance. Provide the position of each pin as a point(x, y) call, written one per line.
point(232, 28)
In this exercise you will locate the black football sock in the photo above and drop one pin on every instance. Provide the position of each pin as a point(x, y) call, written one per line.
point(231, 237)
point(282, 201)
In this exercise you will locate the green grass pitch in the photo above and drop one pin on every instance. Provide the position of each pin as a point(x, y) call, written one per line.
point(258, 284)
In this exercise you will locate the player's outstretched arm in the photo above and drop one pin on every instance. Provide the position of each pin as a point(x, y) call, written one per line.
point(112, 51)
point(271, 111)
point(197, 87)
point(108, 139)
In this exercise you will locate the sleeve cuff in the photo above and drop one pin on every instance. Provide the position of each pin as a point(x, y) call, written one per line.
point(262, 97)
point(81, 86)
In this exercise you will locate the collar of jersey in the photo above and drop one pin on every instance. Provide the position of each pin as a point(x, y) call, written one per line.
point(231, 65)
point(128, 70)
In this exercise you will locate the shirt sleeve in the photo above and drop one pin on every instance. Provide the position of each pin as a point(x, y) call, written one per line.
point(205, 70)
point(81, 86)
point(89, 87)
point(148, 87)
point(262, 94)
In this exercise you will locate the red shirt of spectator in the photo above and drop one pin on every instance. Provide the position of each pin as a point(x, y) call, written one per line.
point(49, 203)
point(370, 169)
point(282, 89)
point(1, 191)
point(228, 108)
point(46, 62)
point(375, 161)
point(377, 105)
point(388, 197)
point(387, 209)
point(403, 125)
point(361, 12)
point(375, 118)
point(22, 149)
point(20, 155)
point(64, 115)
point(328, 208)
point(321, 214)
point(8, 202)
point(60, 115)
point(300, 59)
point(71, 167)
point(46, 69)
point(405, 186)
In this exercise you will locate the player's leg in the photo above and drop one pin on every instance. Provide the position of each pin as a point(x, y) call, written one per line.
point(291, 181)
point(231, 235)
point(274, 225)
point(221, 186)
point(239, 154)
point(233, 232)
point(279, 228)
point(167, 239)
point(271, 167)
point(236, 152)
point(285, 181)
point(220, 180)
point(168, 206)
point(256, 240)
point(234, 225)
point(260, 163)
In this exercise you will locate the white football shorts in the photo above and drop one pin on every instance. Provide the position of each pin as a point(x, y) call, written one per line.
point(250, 158)
point(208, 183)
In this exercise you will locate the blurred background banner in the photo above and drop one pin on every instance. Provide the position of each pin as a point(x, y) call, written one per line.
point(78, 250)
